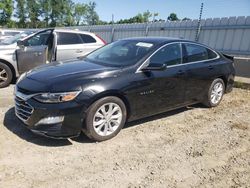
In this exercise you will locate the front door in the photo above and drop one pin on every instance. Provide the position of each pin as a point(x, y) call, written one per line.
point(35, 50)
point(161, 90)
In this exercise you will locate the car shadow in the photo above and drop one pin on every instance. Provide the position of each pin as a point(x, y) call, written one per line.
point(162, 115)
point(13, 124)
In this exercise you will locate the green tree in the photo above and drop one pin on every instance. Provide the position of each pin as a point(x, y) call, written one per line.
point(61, 13)
point(80, 12)
point(20, 13)
point(146, 15)
point(139, 18)
point(45, 11)
point(92, 17)
point(34, 12)
point(6, 10)
point(173, 17)
point(186, 19)
point(56, 6)
point(68, 13)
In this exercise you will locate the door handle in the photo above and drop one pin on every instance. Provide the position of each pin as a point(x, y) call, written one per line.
point(79, 51)
point(38, 53)
point(210, 67)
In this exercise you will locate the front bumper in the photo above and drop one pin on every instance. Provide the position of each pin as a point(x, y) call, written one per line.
point(30, 112)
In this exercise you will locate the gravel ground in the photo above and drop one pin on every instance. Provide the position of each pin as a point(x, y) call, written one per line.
point(189, 147)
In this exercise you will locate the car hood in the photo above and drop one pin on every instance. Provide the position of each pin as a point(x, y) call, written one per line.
point(70, 70)
point(7, 46)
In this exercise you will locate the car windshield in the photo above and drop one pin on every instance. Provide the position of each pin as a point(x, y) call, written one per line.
point(121, 53)
point(15, 38)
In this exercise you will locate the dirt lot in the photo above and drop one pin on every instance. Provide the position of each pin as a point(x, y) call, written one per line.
point(190, 147)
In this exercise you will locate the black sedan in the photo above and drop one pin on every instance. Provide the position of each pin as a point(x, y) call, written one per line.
point(120, 82)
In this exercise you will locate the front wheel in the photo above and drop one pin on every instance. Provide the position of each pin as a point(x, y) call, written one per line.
point(5, 75)
point(105, 118)
point(215, 93)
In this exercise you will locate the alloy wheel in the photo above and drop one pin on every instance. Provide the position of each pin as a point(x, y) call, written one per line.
point(107, 119)
point(3, 75)
point(217, 93)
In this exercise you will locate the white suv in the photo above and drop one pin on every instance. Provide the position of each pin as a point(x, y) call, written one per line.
point(43, 47)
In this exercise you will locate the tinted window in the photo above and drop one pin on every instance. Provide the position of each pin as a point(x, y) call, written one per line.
point(68, 38)
point(170, 55)
point(197, 53)
point(87, 38)
point(211, 54)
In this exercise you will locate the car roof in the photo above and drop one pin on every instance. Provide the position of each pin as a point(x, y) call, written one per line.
point(72, 31)
point(157, 40)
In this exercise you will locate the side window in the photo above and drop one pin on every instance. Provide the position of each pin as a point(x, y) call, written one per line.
point(197, 53)
point(211, 54)
point(169, 55)
point(38, 39)
point(87, 38)
point(64, 38)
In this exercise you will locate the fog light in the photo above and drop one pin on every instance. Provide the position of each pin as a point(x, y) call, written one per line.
point(51, 120)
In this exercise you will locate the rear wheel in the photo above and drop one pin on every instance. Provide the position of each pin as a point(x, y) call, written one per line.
point(215, 93)
point(5, 75)
point(105, 118)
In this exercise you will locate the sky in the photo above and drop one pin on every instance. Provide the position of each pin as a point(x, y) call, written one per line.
point(183, 8)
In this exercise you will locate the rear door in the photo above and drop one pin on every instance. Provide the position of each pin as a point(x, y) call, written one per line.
point(34, 50)
point(200, 63)
point(71, 45)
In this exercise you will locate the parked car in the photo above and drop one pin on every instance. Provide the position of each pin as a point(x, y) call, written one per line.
point(120, 82)
point(4, 33)
point(42, 47)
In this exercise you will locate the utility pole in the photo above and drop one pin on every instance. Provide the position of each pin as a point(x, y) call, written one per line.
point(113, 29)
point(199, 24)
point(154, 15)
point(112, 19)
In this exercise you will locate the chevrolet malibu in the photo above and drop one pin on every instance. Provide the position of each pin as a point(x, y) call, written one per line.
point(120, 82)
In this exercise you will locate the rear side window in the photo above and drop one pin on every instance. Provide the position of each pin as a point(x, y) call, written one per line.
point(197, 53)
point(68, 38)
point(211, 54)
point(169, 55)
point(87, 38)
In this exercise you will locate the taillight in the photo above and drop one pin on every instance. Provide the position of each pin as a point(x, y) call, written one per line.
point(104, 42)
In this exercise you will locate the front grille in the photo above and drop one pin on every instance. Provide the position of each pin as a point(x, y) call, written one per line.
point(22, 108)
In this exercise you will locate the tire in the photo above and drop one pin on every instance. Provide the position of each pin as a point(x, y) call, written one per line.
point(6, 75)
point(215, 93)
point(101, 124)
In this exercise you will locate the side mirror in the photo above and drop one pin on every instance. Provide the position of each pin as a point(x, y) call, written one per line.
point(155, 67)
point(20, 43)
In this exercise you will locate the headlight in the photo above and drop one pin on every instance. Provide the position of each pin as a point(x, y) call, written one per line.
point(56, 97)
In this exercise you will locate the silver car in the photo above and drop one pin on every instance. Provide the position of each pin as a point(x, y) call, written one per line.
point(43, 47)
point(4, 33)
